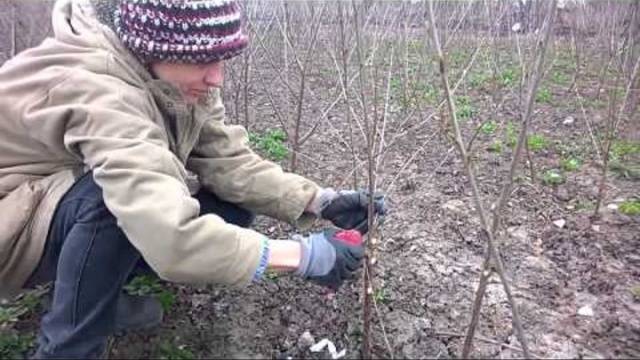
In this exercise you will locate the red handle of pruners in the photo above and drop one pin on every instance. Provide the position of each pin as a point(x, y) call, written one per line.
point(349, 237)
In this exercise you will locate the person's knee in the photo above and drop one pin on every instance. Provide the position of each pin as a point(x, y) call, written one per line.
point(230, 212)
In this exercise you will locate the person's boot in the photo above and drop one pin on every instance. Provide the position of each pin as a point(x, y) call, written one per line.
point(134, 312)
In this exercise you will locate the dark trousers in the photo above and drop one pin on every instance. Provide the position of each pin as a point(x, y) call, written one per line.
point(89, 259)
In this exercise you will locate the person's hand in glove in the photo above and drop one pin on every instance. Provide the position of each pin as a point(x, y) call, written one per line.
point(347, 209)
point(330, 257)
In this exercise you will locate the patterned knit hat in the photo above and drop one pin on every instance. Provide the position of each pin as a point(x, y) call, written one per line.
point(181, 31)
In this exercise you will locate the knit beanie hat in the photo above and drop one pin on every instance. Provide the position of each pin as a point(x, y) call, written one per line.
point(181, 31)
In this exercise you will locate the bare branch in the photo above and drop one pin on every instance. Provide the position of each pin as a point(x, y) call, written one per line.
point(487, 232)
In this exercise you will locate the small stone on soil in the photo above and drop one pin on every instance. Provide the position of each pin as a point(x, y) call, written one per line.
point(560, 223)
point(306, 340)
point(455, 206)
point(562, 193)
point(586, 311)
point(569, 120)
point(518, 233)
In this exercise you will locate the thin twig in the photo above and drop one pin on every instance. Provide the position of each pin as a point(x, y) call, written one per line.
point(492, 248)
point(366, 295)
point(614, 122)
point(14, 34)
point(382, 327)
point(489, 341)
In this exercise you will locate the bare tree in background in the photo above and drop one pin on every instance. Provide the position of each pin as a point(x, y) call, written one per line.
point(493, 261)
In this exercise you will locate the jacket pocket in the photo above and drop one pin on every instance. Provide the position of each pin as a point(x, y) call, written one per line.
point(16, 212)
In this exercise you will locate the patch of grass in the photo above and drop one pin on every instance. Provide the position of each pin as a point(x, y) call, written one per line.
point(415, 46)
point(395, 83)
point(489, 127)
point(553, 177)
point(381, 297)
point(625, 170)
point(146, 285)
point(465, 109)
point(496, 147)
point(567, 149)
point(271, 144)
point(478, 79)
point(558, 77)
point(630, 207)
point(635, 291)
point(511, 134)
point(544, 96)
point(537, 142)
point(508, 77)
point(271, 275)
point(585, 205)
point(429, 92)
point(565, 60)
point(571, 164)
point(171, 351)
point(458, 57)
point(23, 305)
point(621, 149)
point(14, 346)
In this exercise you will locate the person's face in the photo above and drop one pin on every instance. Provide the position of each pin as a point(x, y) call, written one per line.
point(193, 80)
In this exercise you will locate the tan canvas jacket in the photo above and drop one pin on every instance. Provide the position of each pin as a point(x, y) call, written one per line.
point(79, 102)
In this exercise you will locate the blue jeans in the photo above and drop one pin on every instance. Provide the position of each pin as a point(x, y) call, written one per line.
point(89, 259)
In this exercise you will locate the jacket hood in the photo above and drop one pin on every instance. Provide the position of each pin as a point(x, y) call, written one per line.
point(84, 24)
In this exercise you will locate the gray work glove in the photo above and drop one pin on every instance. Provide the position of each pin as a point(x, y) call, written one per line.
point(347, 209)
point(330, 257)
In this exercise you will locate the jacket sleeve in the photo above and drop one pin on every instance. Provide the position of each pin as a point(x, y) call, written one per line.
point(228, 167)
point(143, 185)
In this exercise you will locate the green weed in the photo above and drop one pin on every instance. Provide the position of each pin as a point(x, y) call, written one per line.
point(560, 78)
point(381, 297)
point(464, 108)
point(417, 91)
point(508, 77)
point(512, 134)
point(630, 207)
point(429, 93)
point(457, 57)
point(537, 142)
point(570, 164)
point(625, 169)
point(14, 346)
point(565, 60)
point(415, 46)
point(271, 275)
point(271, 143)
point(553, 177)
point(543, 96)
point(620, 149)
point(170, 351)
point(585, 205)
point(23, 305)
point(635, 291)
point(395, 83)
point(496, 147)
point(489, 127)
point(478, 79)
point(146, 285)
